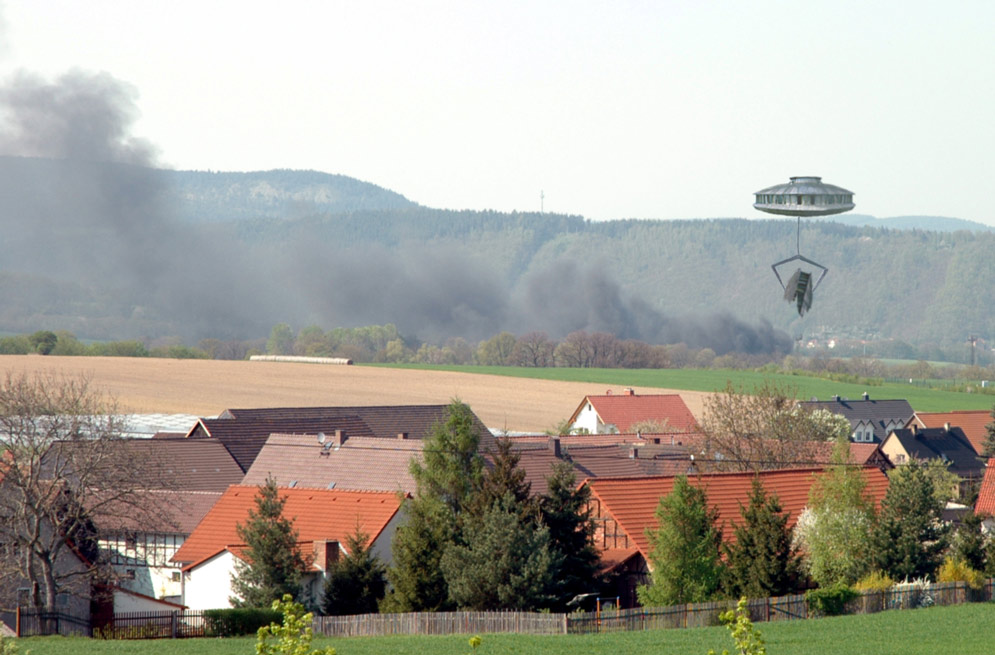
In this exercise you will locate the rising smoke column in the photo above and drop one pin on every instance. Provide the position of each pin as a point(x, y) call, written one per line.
point(91, 211)
point(566, 296)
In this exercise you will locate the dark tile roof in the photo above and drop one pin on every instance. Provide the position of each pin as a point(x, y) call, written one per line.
point(974, 423)
point(244, 438)
point(938, 443)
point(172, 512)
point(244, 431)
point(877, 413)
point(171, 464)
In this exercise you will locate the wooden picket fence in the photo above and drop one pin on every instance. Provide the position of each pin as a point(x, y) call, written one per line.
point(440, 623)
point(176, 624)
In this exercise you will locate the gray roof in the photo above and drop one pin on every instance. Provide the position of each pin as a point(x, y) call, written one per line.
point(950, 446)
point(877, 413)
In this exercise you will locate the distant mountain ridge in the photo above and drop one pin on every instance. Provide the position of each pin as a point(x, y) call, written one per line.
point(928, 223)
point(202, 196)
point(112, 251)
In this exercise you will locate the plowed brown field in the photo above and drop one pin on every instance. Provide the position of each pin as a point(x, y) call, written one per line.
point(205, 387)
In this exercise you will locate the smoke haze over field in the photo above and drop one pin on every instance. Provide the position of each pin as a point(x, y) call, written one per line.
point(92, 213)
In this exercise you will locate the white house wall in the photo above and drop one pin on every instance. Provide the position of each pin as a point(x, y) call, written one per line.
point(207, 586)
point(588, 419)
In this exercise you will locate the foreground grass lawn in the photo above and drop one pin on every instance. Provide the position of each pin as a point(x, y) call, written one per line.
point(961, 629)
point(921, 399)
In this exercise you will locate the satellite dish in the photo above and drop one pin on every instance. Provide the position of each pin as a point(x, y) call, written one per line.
point(321, 437)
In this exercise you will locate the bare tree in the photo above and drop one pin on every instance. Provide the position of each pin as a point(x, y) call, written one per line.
point(534, 349)
point(63, 473)
point(764, 429)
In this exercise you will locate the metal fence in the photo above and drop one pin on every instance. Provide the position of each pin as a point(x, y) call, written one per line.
point(155, 625)
point(31, 623)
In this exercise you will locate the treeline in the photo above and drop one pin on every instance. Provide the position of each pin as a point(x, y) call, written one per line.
point(581, 349)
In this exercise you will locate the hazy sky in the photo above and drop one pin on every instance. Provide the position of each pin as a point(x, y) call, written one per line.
point(667, 109)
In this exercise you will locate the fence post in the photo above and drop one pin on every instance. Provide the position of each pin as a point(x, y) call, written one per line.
point(17, 621)
point(173, 625)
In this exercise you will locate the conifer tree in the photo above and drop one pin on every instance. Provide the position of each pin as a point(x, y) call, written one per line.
point(763, 561)
point(273, 563)
point(988, 446)
point(504, 476)
point(446, 482)
point(503, 563)
point(565, 512)
point(357, 582)
point(969, 542)
point(909, 538)
point(684, 555)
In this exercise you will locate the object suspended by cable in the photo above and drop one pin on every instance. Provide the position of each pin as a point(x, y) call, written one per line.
point(802, 196)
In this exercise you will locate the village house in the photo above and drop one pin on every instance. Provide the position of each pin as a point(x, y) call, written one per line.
point(985, 505)
point(244, 432)
point(632, 412)
point(946, 444)
point(972, 422)
point(323, 518)
point(871, 420)
point(624, 509)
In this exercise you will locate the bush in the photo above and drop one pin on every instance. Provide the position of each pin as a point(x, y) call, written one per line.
point(239, 621)
point(291, 637)
point(874, 581)
point(830, 601)
point(957, 570)
point(15, 345)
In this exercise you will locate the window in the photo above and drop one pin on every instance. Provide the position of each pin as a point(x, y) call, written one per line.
point(175, 577)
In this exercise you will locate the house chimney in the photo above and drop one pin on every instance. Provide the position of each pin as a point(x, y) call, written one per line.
point(339, 438)
point(915, 429)
point(402, 435)
point(554, 445)
point(629, 391)
point(867, 396)
point(326, 552)
point(633, 453)
point(946, 426)
point(836, 397)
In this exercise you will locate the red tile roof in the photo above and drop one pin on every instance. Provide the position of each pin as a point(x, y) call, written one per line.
point(317, 514)
point(973, 423)
point(986, 495)
point(624, 410)
point(632, 502)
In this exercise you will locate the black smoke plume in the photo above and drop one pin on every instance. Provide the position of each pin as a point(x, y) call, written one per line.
point(86, 220)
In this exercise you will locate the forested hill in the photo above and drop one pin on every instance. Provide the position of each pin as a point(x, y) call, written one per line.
point(114, 252)
point(199, 196)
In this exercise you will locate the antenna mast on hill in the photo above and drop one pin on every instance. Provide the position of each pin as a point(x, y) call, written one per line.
point(542, 201)
point(972, 340)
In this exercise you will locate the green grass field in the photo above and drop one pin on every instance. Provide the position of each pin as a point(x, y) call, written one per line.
point(961, 629)
point(805, 387)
